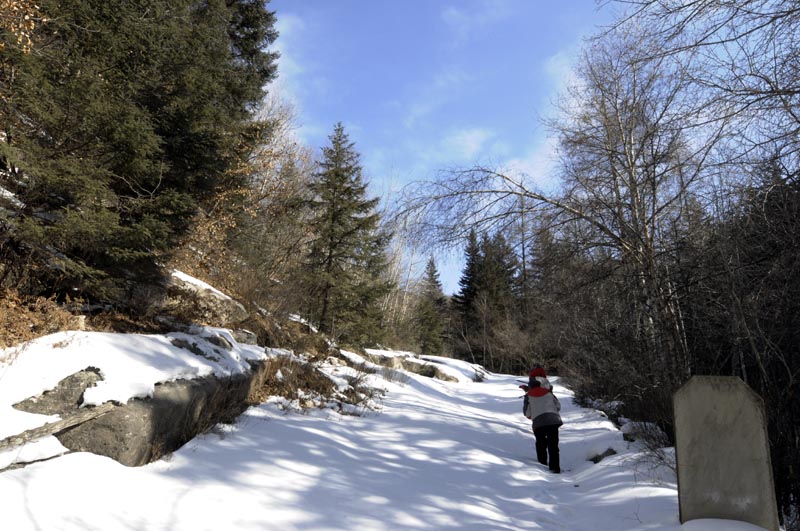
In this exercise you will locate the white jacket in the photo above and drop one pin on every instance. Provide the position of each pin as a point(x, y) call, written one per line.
point(543, 408)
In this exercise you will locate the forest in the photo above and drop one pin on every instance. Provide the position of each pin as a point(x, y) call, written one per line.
point(137, 138)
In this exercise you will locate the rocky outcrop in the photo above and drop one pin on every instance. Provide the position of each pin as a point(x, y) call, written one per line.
point(193, 301)
point(144, 430)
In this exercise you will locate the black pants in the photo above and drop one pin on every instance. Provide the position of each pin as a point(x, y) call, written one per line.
point(547, 443)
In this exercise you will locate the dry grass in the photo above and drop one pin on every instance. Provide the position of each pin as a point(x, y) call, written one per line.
point(26, 318)
point(299, 338)
point(23, 318)
point(112, 321)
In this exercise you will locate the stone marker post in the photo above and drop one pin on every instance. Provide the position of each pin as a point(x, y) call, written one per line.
point(722, 453)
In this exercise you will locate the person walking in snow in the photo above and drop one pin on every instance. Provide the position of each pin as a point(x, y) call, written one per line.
point(542, 407)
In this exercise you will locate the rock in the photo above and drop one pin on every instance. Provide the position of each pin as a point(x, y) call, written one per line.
point(599, 457)
point(144, 430)
point(65, 398)
point(336, 362)
point(245, 337)
point(219, 341)
point(192, 302)
point(191, 347)
point(411, 364)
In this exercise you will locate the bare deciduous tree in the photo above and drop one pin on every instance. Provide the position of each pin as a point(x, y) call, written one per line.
point(634, 149)
point(750, 56)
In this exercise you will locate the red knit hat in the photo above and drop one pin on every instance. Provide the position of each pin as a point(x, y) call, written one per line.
point(538, 371)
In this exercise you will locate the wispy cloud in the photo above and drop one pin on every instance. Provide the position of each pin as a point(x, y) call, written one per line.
point(290, 29)
point(299, 77)
point(429, 97)
point(559, 70)
point(467, 22)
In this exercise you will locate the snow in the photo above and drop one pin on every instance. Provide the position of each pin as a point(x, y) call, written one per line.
point(298, 319)
point(434, 456)
point(198, 283)
point(463, 371)
point(390, 353)
point(9, 196)
point(708, 524)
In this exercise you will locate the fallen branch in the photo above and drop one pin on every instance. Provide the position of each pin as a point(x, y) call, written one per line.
point(84, 415)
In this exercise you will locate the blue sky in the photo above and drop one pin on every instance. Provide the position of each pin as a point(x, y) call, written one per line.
point(427, 85)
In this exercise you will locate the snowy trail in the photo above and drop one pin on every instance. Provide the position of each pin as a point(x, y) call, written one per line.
point(439, 456)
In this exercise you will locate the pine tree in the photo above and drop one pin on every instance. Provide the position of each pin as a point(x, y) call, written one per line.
point(430, 312)
point(347, 256)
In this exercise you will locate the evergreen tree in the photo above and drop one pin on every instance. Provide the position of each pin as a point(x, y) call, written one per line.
point(465, 301)
point(117, 127)
point(430, 312)
point(487, 328)
point(347, 256)
point(470, 276)
point(498, 279)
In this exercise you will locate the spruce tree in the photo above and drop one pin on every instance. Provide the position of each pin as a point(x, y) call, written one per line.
point(430, 312)
point(498, 281)
point(465, 301)
point(347, 256)
point(470, 276)
point(487, 303)
point(121, 122)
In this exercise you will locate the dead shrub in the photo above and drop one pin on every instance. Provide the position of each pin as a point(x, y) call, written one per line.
point(295, 379)
point(361, 393)
point(656, 444)
point(299, 337)
point(286, 377)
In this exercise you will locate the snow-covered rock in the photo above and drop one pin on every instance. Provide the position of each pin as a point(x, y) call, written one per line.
point(169, 389)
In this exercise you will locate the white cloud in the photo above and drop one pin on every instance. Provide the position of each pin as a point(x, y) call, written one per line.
point(418, 110)
point(290, 30)
point(299, 77)
point(286, 86)
point(538, 167)
point(560, 70)
point(468, 143)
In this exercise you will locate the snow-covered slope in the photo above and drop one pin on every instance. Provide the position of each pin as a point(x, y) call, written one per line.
point(437, 455)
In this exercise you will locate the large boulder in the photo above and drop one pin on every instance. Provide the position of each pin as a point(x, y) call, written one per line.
point(144, 430)
point(175, 299)
point(194, 301)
